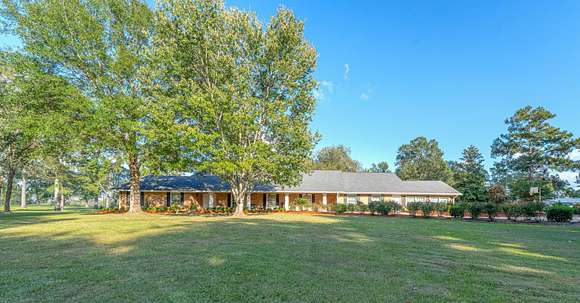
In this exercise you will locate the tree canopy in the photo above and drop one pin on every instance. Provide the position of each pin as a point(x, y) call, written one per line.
point(101, 48)
point(336, 158)
point(422, 159)
point(239, 93)
point(469, 176)
point(381, 167)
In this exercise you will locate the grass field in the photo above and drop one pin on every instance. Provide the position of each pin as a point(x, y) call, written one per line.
point(78, 256)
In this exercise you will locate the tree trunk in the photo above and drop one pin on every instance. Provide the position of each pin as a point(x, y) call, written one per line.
point(61, 202)
point(56, 193)
point(1, 187)
point(96, 202)
point(9, 185)
point(23, 193)
point(239, 196)
point(135, 199)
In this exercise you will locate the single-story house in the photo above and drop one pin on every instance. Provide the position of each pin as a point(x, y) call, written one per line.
point(322, 187)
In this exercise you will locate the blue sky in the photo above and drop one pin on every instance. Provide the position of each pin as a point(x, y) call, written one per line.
point(449, 70)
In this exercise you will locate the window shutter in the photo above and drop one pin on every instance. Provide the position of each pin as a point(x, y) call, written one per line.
point(168, 199)
point(264, 200)
point(181, 198)
point(142, 199)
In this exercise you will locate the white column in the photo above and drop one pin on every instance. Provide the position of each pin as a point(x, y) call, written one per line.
point(210, 200)
point(249, 201)
point(287, 201)
point(324, 201)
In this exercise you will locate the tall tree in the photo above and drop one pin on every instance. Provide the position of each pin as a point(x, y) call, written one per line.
point(238, 94)
point(469, 176)
point(39, 112)
point(100, 47)
point(336, 158)
point(422, 159)
point(381, 167)
point(533, 147)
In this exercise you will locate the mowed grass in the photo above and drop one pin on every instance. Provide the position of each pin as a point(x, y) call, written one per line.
point(78, 256)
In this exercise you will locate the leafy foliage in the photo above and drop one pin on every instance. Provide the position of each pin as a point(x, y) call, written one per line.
point(457, 210)
point(422, 159)
point(336, 158)
point(238, 95)
point(559, 213)
point(427, 208)
point(381, 167)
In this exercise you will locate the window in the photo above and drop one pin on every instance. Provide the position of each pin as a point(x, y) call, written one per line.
point(376, 198)
point(409, 199)
point(175, 198)
point(307, 197)
point(433, 199)
point(420, 199)
point(444, 200)
point(351, 199)
point(272, 201)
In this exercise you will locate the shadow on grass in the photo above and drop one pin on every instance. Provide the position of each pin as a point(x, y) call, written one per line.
point(276, 258)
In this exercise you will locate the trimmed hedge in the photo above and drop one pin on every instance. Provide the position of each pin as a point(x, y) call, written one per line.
point(560, 213)
point(457, 211)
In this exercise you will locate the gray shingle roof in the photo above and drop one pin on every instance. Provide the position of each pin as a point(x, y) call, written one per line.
point(315, 181)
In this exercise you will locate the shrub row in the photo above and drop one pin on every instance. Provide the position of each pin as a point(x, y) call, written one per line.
point(427, 208)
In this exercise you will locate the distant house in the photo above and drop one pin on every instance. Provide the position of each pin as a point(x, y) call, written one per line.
point(320, 187)
point(568, 201)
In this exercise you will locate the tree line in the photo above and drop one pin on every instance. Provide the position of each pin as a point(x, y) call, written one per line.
point(529, 155)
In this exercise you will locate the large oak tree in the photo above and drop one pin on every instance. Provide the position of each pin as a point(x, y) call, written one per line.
point(237, 96)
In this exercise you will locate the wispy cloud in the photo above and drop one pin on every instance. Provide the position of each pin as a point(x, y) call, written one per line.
point(346, 71)
point(366, 95)
point(324, 89)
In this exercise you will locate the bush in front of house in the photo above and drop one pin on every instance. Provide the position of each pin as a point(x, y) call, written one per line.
point(340, 208)
point(361, 207)
point(374, 206)
point(351, 208)
point(512, 210)
point(475, 209)
point(490, 209)
point(413, 207)
point(560, 213)
point(577, 209)
point(300, 203)
point(457, 210)
point(393, 206)
point(532, 209)
point(440, 208)
point(427, 208)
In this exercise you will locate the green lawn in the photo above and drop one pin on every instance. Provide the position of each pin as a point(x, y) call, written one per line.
point(77, 256)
